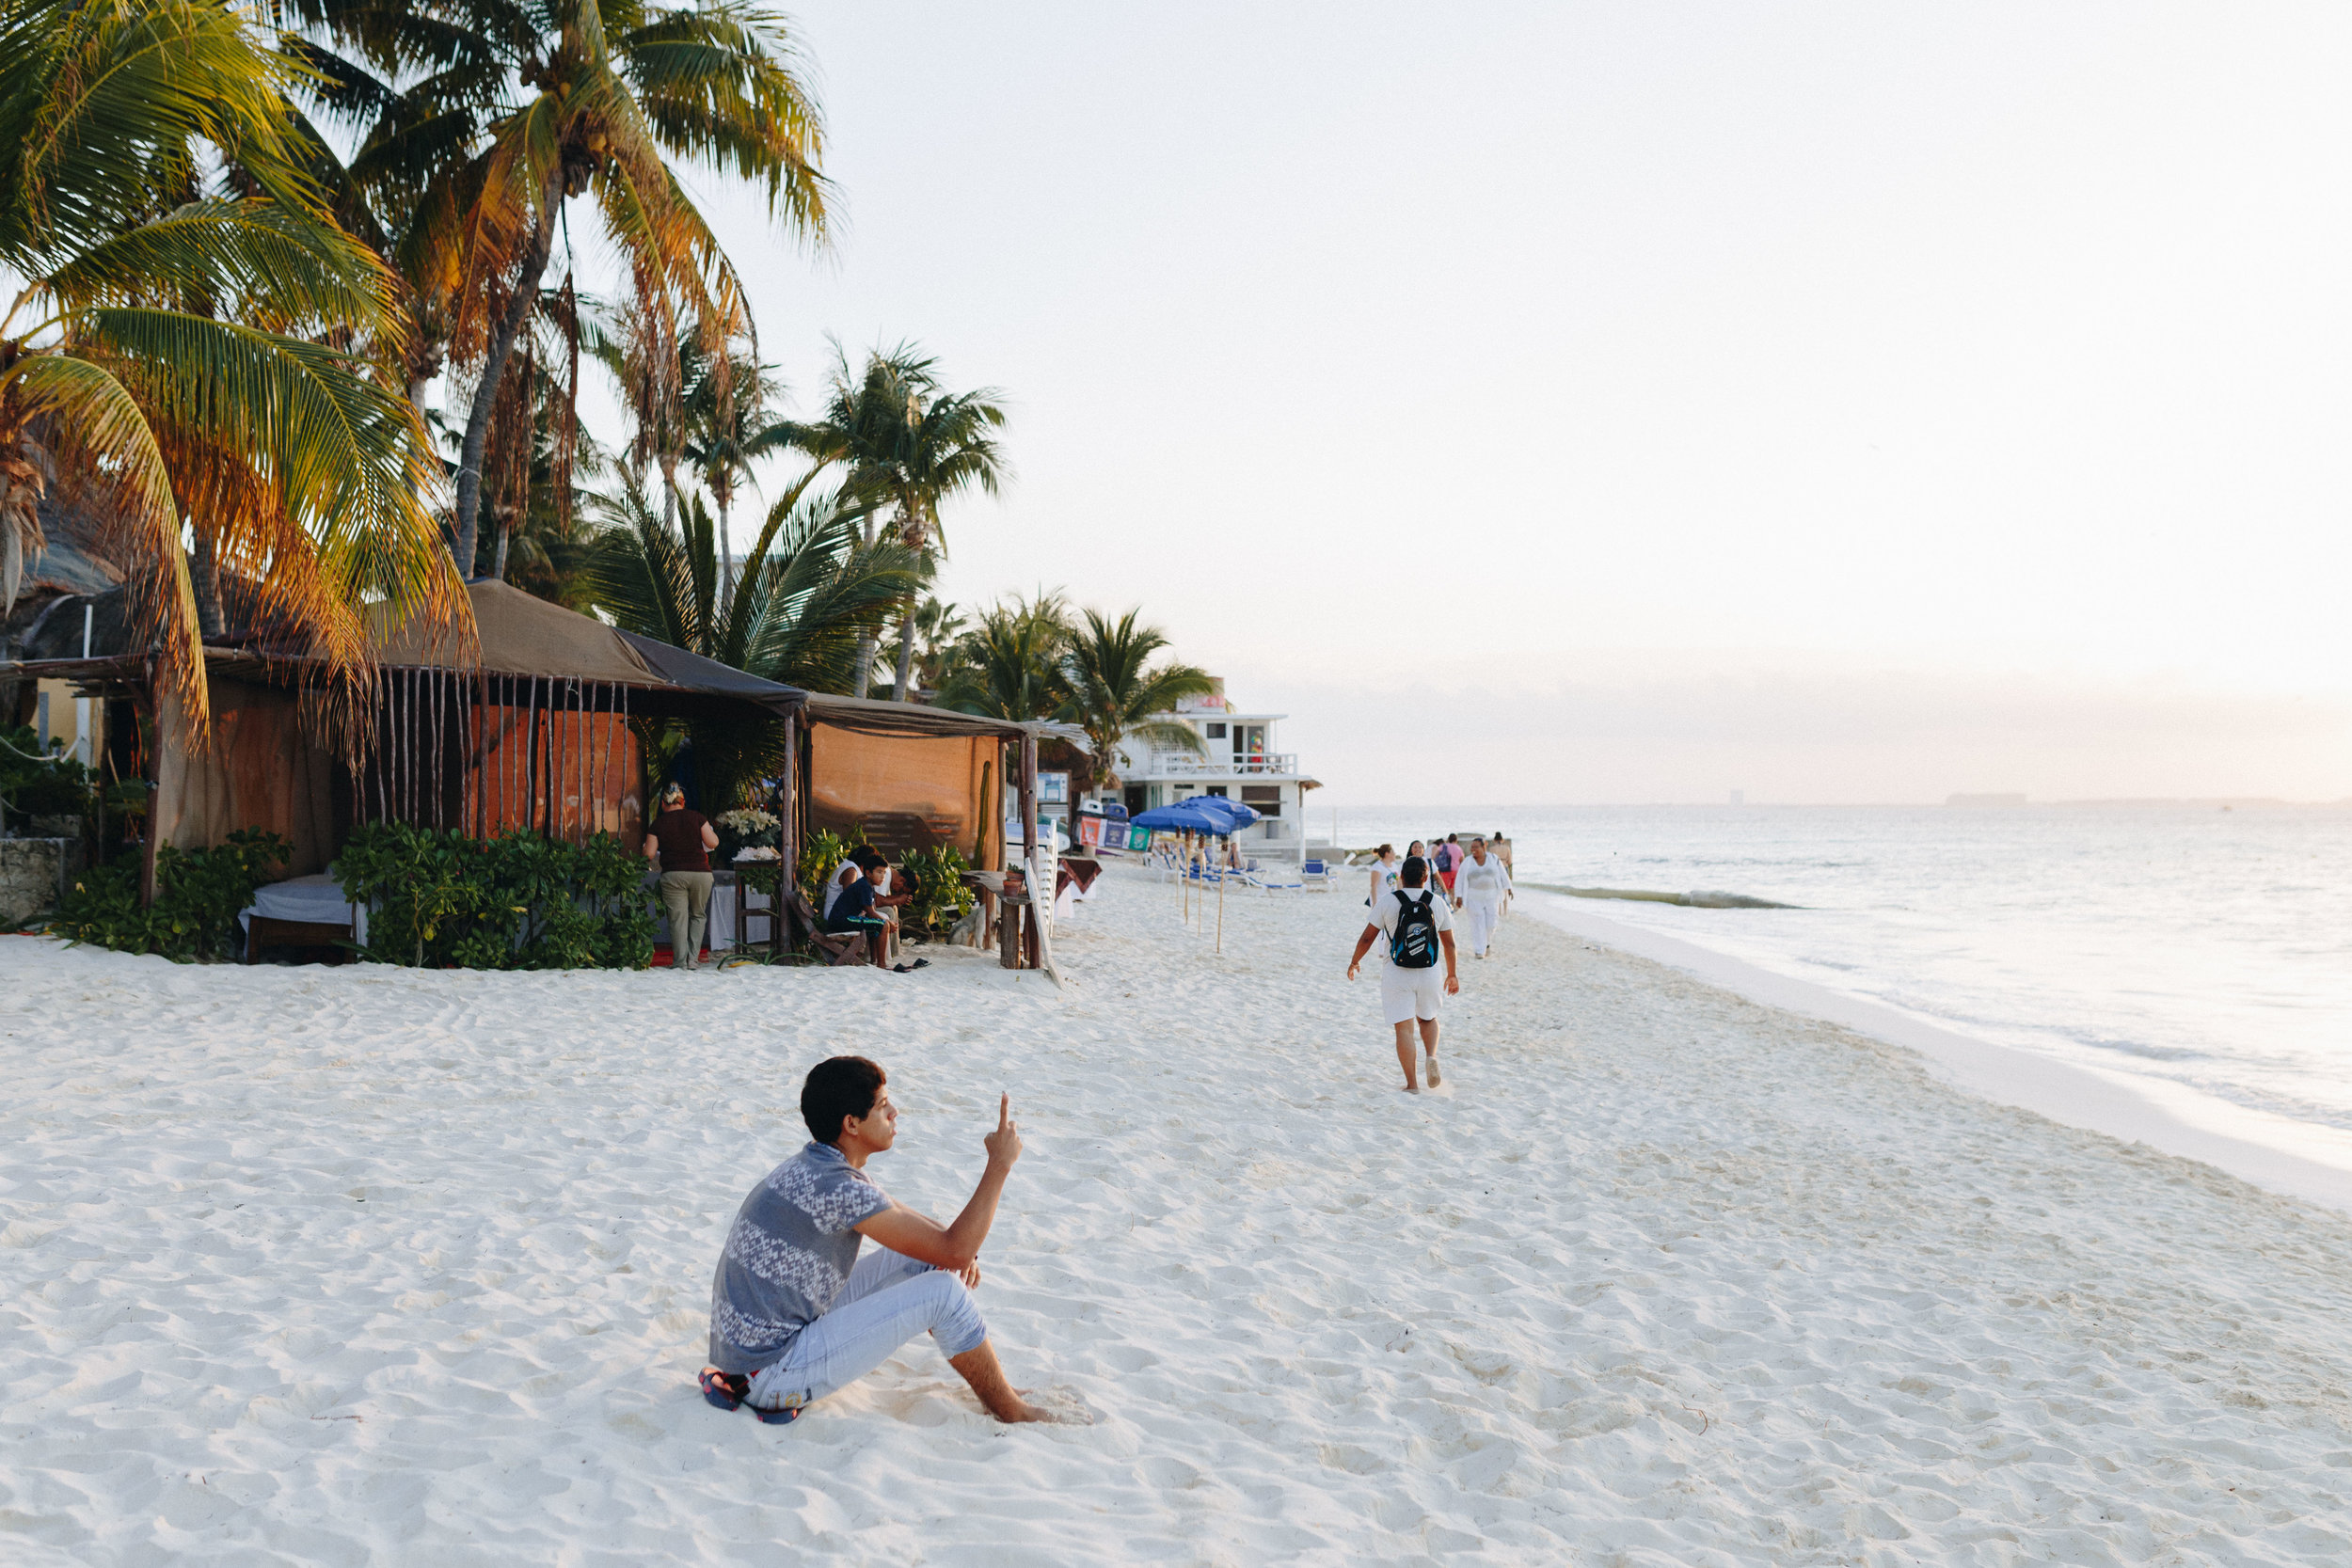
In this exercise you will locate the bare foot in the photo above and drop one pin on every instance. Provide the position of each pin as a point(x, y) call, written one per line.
point(1023, 1410)
point(978, 1367)
point(1412, 1088)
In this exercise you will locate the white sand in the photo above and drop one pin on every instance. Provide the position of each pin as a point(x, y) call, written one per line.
point(311, 1266)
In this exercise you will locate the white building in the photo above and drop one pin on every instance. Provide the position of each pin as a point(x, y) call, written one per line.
point(1237, 758)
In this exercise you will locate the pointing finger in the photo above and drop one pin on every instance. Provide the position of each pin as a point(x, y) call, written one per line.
point(1004, 1109)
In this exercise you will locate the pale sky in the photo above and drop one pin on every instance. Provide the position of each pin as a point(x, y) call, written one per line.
point(1633, 403)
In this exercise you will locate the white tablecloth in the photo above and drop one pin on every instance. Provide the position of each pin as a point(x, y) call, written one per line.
point(314, 899)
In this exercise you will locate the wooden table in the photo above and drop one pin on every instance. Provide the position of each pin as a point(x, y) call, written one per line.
point(1016, 930)
point(761, 871)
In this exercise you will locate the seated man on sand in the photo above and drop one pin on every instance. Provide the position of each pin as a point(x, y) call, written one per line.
point(795, 1314)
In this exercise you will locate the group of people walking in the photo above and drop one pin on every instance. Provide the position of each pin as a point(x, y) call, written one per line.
point(1414, 902)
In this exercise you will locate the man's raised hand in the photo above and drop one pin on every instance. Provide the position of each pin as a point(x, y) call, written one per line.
point(1004, 1144)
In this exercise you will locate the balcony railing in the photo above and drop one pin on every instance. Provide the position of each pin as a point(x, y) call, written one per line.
point(1214, 766)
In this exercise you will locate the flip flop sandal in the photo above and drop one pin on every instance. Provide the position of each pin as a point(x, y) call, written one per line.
point(726, 1391)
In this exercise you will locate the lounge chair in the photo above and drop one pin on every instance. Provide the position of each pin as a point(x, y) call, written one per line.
point(1316, 876)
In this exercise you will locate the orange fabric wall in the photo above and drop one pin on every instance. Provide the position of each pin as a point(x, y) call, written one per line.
point(595, 756)
point(938, 778)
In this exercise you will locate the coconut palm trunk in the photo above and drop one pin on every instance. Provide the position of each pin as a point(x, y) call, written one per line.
point(509, 327)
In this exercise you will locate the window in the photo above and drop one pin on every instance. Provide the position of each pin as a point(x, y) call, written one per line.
point(1213, 789)
point(1266, 799)
point(1217, 731)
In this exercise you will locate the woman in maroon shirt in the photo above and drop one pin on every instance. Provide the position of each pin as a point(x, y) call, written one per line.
point(681, 842)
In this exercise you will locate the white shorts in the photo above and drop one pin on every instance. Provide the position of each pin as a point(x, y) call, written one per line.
point(1409, 993)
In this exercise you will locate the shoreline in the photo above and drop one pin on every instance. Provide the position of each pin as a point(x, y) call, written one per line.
point(2293, 1158)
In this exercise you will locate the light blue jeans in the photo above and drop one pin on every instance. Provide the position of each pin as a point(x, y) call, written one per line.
point(890, 1298)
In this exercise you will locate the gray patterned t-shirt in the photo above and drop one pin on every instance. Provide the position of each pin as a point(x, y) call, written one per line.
point(787, 1256)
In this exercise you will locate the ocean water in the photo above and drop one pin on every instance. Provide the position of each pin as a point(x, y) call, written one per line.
point(2210, 948)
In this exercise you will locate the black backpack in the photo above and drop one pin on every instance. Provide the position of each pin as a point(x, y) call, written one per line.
point(1414, 943)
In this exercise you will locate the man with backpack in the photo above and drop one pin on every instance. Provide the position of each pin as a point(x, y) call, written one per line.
point(1418, 925)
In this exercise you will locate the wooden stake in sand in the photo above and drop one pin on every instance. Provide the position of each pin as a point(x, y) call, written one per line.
point(1220, 909)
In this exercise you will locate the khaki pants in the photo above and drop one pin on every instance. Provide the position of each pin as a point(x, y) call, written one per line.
point(687, 895)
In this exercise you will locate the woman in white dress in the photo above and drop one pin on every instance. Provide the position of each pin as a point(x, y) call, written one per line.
point(1480, 885)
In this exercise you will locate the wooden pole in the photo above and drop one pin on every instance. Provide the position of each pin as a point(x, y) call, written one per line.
point(1220, 909)
point(601, 745)
point(577, 744)
point(530, 753)
point(481, 778)
point(392, 751)
point(380, 726)
point(154, 796)
point(1028, 824)
point(787, 833)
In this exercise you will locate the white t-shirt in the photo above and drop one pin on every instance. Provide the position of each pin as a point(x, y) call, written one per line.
point(1473, 881)
point(1388, 907)
point(1383, 877)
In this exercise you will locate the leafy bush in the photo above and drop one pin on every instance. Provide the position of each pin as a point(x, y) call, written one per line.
point(197, 895)
point(520, 900)
point(939, 897)
point(819, 853)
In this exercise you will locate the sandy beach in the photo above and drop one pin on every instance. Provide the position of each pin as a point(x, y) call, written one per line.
point(311, 1266)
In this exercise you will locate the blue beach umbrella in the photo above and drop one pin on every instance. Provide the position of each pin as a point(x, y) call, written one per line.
point(1187, 816)
point(1233, 811)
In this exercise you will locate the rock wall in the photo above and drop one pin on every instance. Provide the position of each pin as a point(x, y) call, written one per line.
point(31, 872)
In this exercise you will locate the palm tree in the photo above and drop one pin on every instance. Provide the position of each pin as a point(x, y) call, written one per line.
point(938, 628)
point(482, 118)
point(906, 442)
point(1011, 665)
point(189, 350)
point(1116, 691)
point(728, 427)
point(811, 590)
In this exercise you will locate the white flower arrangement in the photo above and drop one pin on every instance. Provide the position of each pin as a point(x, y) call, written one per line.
point(756, 852)
point(747, 822)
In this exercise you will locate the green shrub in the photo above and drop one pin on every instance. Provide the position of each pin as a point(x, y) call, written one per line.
point(940, 897)
point(520, 900)
point(197, 895)
point(822, 852)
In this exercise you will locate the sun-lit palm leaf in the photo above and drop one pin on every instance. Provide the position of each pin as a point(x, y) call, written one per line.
point(105, 91)
point(236, 253)
point(101, 437)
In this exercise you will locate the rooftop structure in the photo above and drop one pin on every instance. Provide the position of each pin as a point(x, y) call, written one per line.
point(1236, 757)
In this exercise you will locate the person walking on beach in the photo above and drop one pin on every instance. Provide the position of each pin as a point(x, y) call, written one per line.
point(1384, 870)
point(796, 1314)
point(1480, 888)
point(1417, 926)
point(680, 841)
point(1449, 860)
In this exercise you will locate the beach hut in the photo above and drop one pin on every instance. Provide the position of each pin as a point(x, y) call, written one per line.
point(529, 724)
